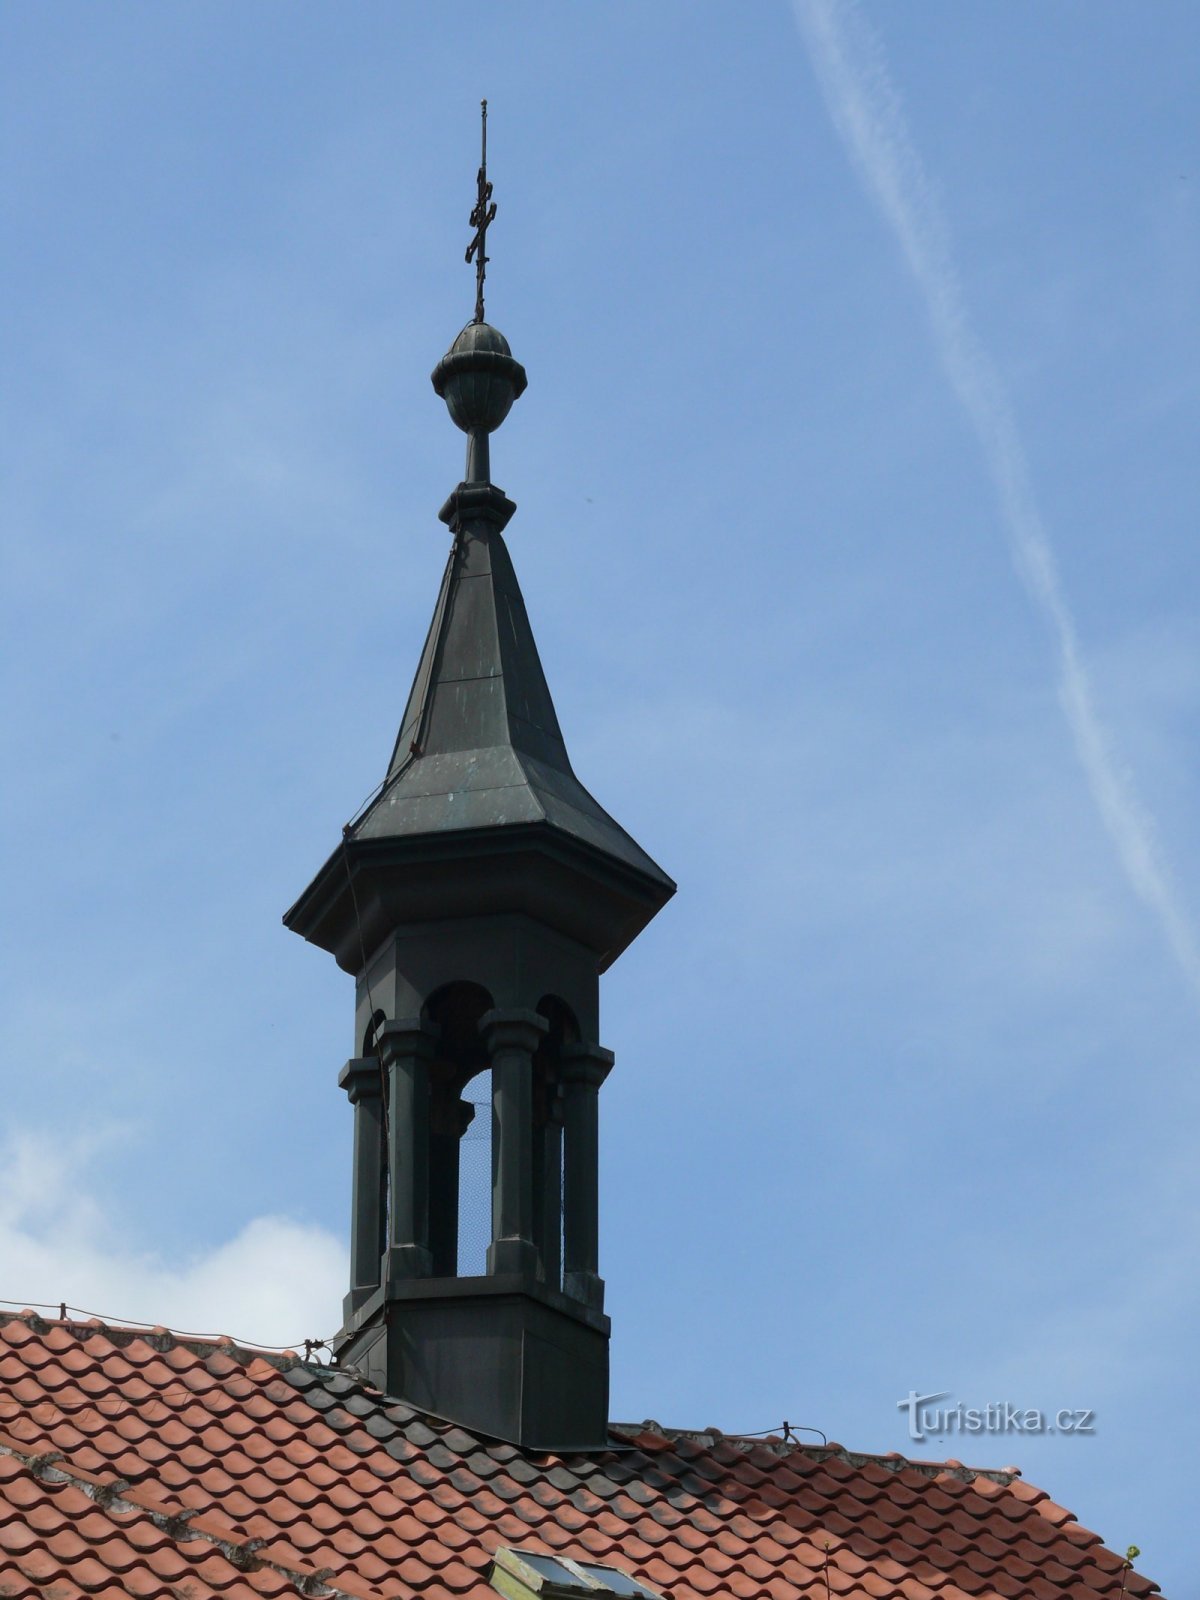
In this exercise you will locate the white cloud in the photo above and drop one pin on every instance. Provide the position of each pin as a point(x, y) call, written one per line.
point(276, 1282)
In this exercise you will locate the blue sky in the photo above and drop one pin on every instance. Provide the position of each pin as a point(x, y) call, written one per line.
point(826, 313)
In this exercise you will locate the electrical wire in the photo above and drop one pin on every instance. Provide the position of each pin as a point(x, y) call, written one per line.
point(62, 1308)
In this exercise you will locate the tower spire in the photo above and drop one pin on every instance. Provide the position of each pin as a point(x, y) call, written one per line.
point(481, 218)
point(477, 899)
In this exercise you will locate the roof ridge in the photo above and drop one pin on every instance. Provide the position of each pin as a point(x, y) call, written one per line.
point(343, 1380)
point(161, 1338)
point(890, 1461)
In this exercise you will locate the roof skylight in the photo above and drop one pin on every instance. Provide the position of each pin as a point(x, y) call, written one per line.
point(530, 1575)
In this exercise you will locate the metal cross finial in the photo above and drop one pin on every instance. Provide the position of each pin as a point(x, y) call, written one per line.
point(481, 217)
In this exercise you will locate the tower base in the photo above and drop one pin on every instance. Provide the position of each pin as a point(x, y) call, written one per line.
point(503, 1355)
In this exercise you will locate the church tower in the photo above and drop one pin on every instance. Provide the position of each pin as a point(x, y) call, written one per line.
point(476, 900)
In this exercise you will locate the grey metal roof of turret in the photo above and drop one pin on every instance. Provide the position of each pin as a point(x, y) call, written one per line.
point(480, 811)
point(480, 746)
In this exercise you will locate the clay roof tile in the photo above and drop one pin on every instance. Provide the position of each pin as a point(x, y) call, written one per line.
point(331, 1476)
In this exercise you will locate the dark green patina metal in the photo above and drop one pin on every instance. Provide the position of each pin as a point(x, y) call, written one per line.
point(476, 900)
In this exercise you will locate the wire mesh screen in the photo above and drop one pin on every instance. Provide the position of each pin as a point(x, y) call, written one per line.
point(475, 1192)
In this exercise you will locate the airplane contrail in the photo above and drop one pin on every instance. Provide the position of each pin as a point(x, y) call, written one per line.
point(851, 67)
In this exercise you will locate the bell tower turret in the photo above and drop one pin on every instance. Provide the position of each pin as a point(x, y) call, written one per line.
point(476, 900)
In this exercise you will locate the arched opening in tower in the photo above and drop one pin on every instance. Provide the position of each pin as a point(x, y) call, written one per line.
point(460, 1167)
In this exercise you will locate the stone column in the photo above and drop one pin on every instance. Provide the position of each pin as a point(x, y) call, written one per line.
point(584, 1069)
point(511, 1038)
point(548, 1195)
point(405, 1048)
point(362, 1080)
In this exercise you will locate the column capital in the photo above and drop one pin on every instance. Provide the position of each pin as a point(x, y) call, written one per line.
point(360, 1079)
point(514, 1029)
point(588, 1064)
point(405, 1037)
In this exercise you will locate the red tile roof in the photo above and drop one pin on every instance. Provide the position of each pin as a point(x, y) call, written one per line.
point(151, 1465)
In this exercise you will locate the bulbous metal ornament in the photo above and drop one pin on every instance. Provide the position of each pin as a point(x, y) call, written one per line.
point(479, 378)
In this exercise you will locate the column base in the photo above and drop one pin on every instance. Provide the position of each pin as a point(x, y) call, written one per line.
point(586, 1287)
point(405, 1261)
point(517, 1256)
point(355, 1300)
